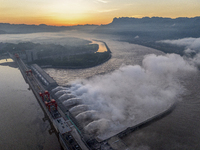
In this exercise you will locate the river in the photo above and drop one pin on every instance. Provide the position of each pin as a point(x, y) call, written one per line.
point(178, 130)
point(22, 126)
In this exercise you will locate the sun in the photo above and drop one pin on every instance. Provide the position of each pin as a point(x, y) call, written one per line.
point(71, 12)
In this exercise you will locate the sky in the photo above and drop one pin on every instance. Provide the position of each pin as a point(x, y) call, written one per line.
point(73, 12)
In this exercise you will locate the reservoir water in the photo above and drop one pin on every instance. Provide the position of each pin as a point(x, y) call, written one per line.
point(21, 120)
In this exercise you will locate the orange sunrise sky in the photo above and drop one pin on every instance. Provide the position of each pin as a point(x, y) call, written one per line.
point(73, 12)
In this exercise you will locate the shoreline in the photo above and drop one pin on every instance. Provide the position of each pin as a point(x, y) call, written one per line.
point(78, 67)
point(83, 67)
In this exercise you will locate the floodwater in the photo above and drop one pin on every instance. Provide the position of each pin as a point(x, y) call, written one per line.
point(21, 120)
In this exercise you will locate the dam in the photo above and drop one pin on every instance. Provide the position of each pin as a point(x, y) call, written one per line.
point(64, 111)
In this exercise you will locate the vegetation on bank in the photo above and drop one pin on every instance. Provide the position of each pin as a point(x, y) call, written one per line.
point(72, 57)
point(75, 61)
point(63, 56)
point(20, 47)
point(73, 46)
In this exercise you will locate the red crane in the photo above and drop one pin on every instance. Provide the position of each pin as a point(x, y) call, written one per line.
point(49, 103)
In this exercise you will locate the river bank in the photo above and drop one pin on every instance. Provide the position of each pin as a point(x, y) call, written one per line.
point(101, 57)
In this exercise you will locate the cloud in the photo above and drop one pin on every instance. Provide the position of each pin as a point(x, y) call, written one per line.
point(136, 37)
point(102, 1)
point(193, 43)
point(130, 4)
point(196, 60)
point(189, 51)
point(61, 38)
point(131, 94)
point(192, 48)
point(107, 10)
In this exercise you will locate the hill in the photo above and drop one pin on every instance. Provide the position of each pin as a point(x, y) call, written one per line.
point(6, 28)
point(147, 31)
point(155, 27)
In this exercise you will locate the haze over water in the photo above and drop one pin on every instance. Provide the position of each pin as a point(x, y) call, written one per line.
point(178, 130)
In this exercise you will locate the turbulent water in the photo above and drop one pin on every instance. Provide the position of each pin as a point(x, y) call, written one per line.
point(123, 53)
point(179, 130)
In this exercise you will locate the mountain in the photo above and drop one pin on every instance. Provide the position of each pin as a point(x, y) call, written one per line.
point(23, 28)
point(147, 31)
point(155, 27)
point(2, 32)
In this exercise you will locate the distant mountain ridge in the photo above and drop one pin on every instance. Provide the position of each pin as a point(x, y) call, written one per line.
point(142, 27)
point(143, 31)
point(148, 31)
point(24, 28)
point(153, 27)
point(127, 20)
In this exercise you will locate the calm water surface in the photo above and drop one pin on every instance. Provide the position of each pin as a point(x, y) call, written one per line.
point(21, 124)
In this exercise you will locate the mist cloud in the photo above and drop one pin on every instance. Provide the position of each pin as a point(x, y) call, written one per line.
point(103, 1)
point(107, 10)
point(131, 94)
point(196, 60)
point(192, 48)
point(192, 43)
point(60, 38)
